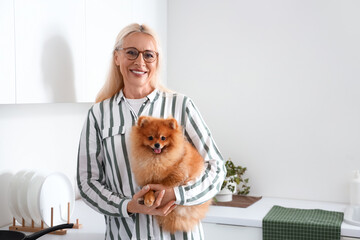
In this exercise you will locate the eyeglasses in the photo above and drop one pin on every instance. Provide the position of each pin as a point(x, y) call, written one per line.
point(132, 53)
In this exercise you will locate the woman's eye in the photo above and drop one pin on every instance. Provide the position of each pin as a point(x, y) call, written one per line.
point(149, 55)
point(163, 138)
point(132, 53)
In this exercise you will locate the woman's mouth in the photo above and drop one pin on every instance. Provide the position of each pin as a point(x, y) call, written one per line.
point(138, 72)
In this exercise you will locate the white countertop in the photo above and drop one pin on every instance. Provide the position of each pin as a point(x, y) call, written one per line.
point(94, 223)
point(252, 216)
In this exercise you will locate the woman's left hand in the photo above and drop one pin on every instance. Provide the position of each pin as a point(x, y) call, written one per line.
point(168, 196)
point(159, 207)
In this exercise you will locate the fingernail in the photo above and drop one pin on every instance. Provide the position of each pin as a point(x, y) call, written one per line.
point(163, 192)
point(146, 187)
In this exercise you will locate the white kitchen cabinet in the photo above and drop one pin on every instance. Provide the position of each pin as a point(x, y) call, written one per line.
point(49, 43)
point(60, 50)
point(213, 231)
point(7, 52)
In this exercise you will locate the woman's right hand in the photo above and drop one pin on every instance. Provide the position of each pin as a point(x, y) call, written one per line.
point(135, 207)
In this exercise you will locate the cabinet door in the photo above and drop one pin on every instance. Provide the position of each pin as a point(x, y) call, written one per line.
point(49, 47)
point(214, 231)
point(64, 47)
point(7, 52)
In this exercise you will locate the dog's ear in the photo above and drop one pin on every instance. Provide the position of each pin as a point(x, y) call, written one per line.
point(172, 123)
point(143, 120)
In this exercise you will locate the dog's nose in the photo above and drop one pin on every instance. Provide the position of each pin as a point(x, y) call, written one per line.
point(157, 145)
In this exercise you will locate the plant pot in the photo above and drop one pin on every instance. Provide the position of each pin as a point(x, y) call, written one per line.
point(225, 195)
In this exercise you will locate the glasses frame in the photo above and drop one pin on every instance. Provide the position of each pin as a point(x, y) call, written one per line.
point(142, 53)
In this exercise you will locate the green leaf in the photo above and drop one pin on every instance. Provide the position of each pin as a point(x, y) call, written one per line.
point(234, 174)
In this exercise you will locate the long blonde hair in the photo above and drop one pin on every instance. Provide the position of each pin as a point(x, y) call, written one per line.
point(115, 82)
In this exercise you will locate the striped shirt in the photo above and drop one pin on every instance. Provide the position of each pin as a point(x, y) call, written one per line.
point(104, 175)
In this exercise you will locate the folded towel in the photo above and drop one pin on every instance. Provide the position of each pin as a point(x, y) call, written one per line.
point(301, 224)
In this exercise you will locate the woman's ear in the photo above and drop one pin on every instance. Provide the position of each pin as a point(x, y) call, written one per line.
point(116, 58)
point(143, 120)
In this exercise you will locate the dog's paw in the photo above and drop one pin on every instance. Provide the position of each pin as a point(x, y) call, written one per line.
point(149, 199)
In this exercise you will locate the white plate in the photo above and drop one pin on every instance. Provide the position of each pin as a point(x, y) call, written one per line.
point(5, 214)
point(22, 197)
point(56, 191)
point(33, 193)
point(13, 195)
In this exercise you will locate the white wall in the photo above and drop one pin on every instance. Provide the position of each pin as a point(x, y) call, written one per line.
point(278, 83)
point(41, 136)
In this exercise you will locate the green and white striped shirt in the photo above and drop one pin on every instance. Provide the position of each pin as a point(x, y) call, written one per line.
point(104, 175)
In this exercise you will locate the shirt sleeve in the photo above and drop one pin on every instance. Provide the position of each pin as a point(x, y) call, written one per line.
point(208, 184)
point(91, 174)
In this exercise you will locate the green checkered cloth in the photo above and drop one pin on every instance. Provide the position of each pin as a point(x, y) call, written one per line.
point(301, 224)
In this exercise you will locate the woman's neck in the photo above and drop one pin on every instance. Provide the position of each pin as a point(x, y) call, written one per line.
point(137, 93)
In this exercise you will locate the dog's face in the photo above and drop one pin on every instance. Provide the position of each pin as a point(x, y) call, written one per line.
point(157, 134)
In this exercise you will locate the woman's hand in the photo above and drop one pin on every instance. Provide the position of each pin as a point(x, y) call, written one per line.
point(169, 195)
point(161, 206)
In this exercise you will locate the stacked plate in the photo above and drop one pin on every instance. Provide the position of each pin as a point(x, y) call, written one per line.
point(5, 214)
point(32, 194)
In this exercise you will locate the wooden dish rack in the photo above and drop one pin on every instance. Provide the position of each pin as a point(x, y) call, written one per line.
point(32, 228)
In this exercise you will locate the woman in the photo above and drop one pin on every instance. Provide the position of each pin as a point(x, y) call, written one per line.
point(104, 175)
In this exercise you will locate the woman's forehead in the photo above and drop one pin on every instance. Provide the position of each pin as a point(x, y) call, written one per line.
point(141, 41)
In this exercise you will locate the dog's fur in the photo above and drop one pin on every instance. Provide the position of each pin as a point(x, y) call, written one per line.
point(161, 155)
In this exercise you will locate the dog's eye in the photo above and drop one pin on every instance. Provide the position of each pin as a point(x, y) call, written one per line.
point(151, 138)
point(163, 138)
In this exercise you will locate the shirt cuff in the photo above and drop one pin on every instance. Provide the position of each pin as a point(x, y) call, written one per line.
point(123, 208)
point(180, 195)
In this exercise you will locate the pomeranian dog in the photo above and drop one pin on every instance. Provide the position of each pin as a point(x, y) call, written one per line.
point(161, 155)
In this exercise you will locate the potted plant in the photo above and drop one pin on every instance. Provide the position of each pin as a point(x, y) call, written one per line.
point(233, 180)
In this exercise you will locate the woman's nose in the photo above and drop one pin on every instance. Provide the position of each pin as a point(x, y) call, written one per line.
point(140, 60)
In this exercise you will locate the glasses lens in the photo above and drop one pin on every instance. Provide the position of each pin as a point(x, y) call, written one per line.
point(149, 56)
point(132, 53)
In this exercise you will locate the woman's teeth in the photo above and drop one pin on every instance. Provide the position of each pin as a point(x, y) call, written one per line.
point(138, 72)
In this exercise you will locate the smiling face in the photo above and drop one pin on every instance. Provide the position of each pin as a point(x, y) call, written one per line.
point(137, 74)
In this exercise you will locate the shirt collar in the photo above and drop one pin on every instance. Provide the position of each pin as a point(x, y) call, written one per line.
point(151, 97)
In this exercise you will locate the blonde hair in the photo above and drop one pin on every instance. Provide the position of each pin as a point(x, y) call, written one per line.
point(115, 82)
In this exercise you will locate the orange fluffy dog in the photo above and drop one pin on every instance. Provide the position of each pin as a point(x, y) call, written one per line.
point(161, 155)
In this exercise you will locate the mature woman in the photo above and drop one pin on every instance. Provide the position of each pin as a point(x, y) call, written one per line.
point(104, 174)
